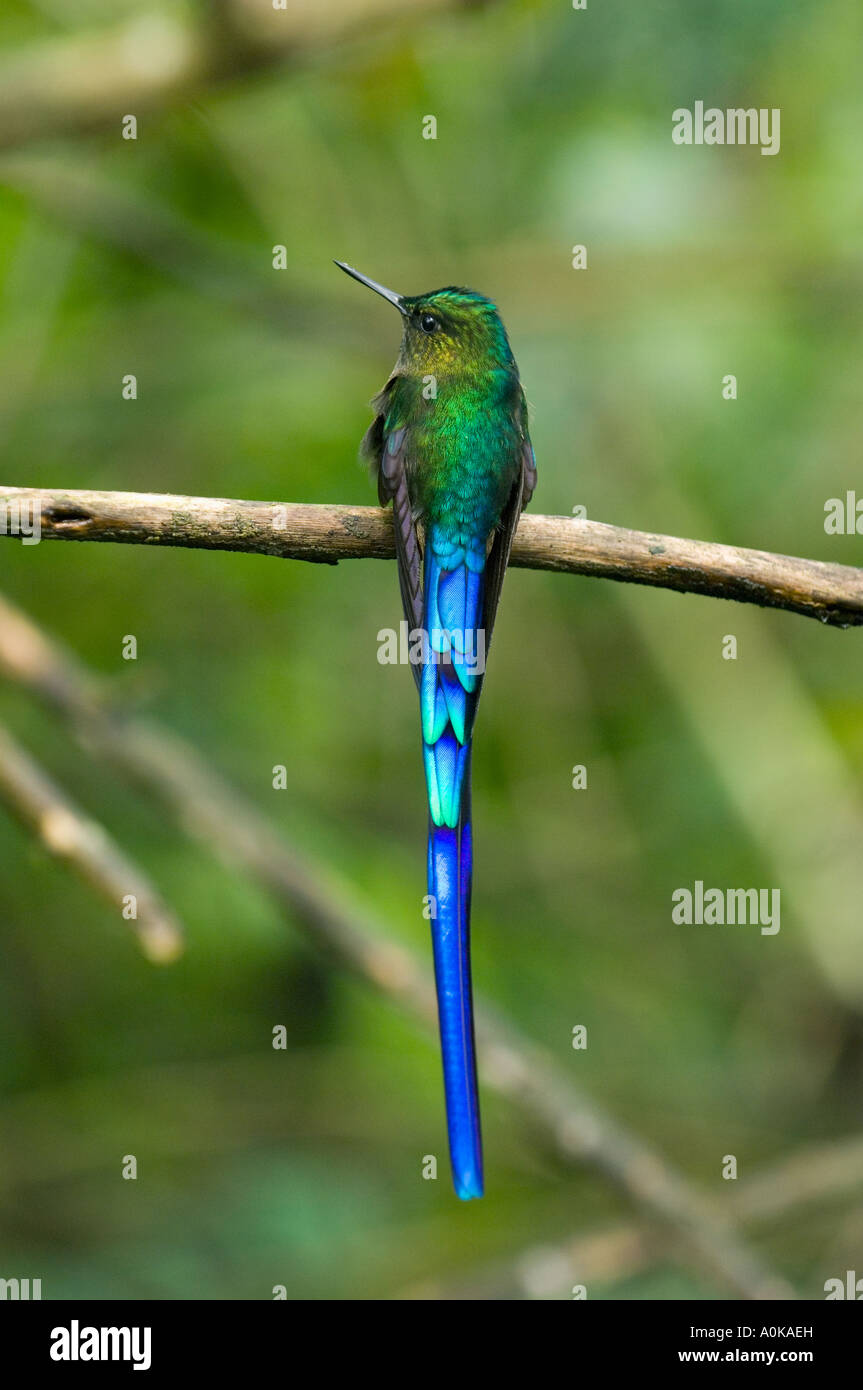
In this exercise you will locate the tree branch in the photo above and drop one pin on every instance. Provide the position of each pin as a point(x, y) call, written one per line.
point(327, 534)
point(816, 1174)
point(84, 81)
point(70, 835)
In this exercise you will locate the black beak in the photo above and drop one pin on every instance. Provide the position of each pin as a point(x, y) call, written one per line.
point(389, 295)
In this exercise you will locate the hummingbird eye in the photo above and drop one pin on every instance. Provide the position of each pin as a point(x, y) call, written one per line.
point(428, 323)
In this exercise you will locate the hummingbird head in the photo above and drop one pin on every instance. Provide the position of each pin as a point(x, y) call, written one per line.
point(446, 332)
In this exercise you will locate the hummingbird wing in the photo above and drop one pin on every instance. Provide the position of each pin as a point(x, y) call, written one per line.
point(387, 453)
point(498, 558)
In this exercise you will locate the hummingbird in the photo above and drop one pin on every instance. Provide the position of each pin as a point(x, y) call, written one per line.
point(450, 446)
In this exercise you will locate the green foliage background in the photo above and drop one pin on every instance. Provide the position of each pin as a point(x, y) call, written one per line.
point(302, 1167)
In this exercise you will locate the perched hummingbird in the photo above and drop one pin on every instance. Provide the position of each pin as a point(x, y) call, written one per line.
point(451, 450)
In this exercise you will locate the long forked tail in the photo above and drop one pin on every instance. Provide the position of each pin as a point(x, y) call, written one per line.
point(449, 876)
point(449, 689)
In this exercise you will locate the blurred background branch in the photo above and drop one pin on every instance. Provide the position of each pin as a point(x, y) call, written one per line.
point(566, 1121)
point(88, 849)
point(818, 1174)
point(82, 82)
point(326, 534)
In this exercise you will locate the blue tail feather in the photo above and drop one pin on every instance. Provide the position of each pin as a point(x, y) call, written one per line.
point(453, 595)
point(449, 874)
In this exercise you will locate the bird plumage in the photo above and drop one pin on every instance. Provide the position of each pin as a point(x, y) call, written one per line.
point(452, 453)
